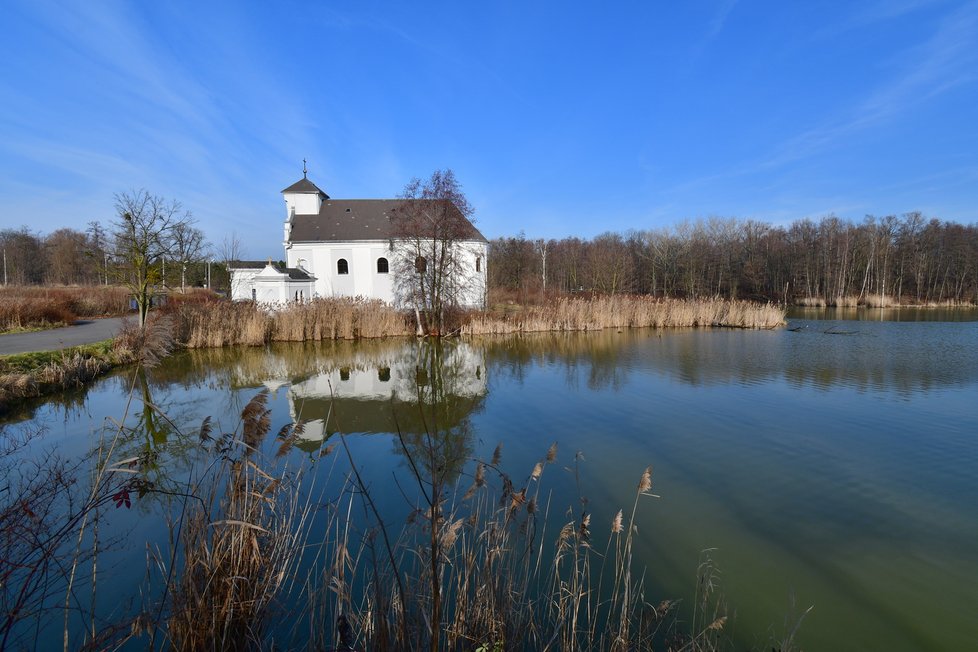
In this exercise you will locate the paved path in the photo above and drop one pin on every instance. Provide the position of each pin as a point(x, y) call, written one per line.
point(83, 332)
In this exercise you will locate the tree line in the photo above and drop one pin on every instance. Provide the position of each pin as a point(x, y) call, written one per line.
point(160, 230)
point(909, 257)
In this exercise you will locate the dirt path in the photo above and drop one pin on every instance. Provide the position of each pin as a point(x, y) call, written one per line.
point(83, 332)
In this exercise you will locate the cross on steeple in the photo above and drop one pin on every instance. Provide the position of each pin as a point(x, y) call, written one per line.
point(303, 168)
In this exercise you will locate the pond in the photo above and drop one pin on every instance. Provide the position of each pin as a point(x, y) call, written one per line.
point(830, 465)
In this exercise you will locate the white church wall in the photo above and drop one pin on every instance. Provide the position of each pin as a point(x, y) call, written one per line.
point(302, 203)
point(242, 282)
point(361, 257)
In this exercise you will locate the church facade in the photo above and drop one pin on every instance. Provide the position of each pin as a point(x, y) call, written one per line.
point(350, 248)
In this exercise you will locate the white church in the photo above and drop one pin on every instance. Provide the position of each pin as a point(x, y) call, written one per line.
point(347, 248)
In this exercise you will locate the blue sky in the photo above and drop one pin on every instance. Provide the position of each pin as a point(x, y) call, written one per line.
point(558, 118)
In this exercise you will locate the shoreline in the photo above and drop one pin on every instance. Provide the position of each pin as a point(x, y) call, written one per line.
point(222, 324)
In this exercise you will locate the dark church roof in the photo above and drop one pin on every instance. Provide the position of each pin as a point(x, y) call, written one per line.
point(358, 219)
point(294, 273)
point(304, 185)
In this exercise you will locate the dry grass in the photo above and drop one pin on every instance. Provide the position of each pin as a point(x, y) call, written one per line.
point(36, 374)
point(844, 302)
point(240, 544)
point(623, 311)
point(338, 319)
point(215, 324)
point(221, 324)
point(811, 302)
point(25, 307)
point(878, 301)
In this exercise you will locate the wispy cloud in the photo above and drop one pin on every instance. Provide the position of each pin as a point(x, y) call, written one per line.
point(713, 30)
point(872, 13)
point(946, 60)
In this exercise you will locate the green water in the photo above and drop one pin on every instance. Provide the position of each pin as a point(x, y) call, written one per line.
point(829, 465)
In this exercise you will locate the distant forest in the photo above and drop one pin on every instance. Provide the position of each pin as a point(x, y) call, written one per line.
point(71, 257)
point(909, 257)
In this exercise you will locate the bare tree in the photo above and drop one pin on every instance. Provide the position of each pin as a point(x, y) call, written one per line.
point(98, 248)
point(432, 239)
point(22, 256)
point(230, 252)
point(540, 246)
point(143, 234)
point(189, 246)
point(65, 258)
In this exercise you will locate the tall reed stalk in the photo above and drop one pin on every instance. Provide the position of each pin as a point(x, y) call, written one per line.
point(626, 311)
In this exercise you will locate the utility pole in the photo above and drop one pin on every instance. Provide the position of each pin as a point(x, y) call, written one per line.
point(4, 265)
point(105, 267)
point(209, 261)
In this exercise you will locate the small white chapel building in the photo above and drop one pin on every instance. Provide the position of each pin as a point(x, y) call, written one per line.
point(345, 248)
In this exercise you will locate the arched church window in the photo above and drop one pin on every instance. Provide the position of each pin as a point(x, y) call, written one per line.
point(382, 266)
point(342, 267)
point(420, 264)
point(478, 263)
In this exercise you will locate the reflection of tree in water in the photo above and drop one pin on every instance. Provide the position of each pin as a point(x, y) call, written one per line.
point(160, 431)
point(594, 357)
point(435, 431)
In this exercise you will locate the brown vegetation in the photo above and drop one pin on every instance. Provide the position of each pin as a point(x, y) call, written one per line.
point(25, 307)
point(225, 324)
point(474, 568)
point(626, 311)
point(36, 374)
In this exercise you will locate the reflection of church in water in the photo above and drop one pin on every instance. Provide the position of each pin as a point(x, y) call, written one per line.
point(412, 388)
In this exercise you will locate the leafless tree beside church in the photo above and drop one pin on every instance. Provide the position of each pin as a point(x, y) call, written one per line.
point(430, 228)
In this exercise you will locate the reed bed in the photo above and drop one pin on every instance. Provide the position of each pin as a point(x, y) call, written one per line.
point(878, 301)
point(482, 562)
point(338, 319)
point(626, 311)
point(240, 544)
point(27, 307)
point(224, 324)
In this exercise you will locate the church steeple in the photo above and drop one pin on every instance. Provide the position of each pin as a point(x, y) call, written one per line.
point(303, 197)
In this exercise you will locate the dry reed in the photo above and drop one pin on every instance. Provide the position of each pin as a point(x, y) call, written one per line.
point(878, 301)
point(224, 324)
point(24, 307)
point(627, 311)
point(240, 548)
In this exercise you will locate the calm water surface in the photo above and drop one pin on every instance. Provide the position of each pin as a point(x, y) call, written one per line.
point(831, 464)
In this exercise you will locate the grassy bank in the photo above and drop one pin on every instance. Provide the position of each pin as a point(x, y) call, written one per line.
point(198, 320)
point(27, 375)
